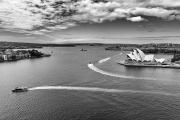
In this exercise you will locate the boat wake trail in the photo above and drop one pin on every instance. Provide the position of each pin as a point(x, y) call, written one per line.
point(96, 89)
point(94, 68)
point(108, 58)
point(104, 60)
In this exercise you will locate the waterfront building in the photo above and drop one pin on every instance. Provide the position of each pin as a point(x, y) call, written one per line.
point(5, 57)
point(11, 55)
point(139, 56)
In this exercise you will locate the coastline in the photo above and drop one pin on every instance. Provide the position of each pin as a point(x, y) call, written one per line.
point(9, 55)
point(150, 48)
point(173, 66)
point(167, 48)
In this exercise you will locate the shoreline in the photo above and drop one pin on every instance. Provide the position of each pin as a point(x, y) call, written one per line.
point(9, 55)
point(9, 61)
point(173, 66)
point(155, 48)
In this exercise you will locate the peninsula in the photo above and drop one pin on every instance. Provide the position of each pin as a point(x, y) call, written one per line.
point(7, 55)
point(138, 58)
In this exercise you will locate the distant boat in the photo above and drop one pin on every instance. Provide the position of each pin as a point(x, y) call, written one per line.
point(46, 55)
point(83, 49)
point(20, 89)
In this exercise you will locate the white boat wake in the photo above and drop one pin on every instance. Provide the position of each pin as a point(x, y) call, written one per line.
point(94, 68)
point(96, 89)
point(104, 60)
point(108, 58)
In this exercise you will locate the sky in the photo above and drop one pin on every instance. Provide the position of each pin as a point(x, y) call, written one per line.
point(102, 21)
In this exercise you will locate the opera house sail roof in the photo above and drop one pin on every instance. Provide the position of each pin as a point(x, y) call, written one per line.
point(138, 55)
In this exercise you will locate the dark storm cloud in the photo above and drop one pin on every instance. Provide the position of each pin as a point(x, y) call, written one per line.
point(39, 16)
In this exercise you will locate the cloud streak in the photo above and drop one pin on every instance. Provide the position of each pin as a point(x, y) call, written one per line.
point(41, 16)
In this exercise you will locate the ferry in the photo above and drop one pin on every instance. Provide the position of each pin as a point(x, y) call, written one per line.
point(83, 50)
point(20, 89)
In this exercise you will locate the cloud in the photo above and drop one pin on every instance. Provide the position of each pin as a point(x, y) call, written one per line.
point(136, 19)
point(40, 16)
point(165, 3)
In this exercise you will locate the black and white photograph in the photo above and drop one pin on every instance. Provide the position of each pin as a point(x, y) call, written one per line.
point(89, 59)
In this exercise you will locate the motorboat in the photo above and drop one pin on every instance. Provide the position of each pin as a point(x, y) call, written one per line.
point(83, 49)
point(20, 89)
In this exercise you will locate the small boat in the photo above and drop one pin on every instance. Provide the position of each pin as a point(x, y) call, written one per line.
point(46, 55)
point(83, 49)
point(20, 89)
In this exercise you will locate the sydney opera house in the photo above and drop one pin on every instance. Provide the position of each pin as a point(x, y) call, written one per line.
point(138, 56)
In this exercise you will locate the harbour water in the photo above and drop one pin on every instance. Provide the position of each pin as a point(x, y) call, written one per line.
point(66, 86)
